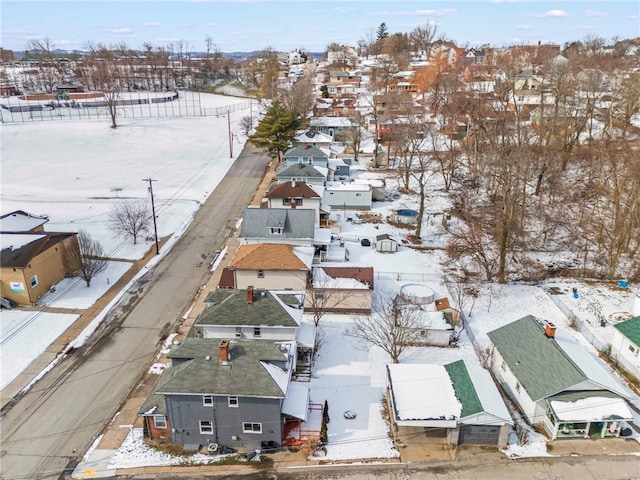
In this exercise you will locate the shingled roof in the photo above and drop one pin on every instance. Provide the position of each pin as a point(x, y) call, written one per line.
point(272, 256)
point(291, 190)
point(296, 223)
point(630, 329)
point(254, 368)
point(299, 170)
point(268, 308)
point(539, 364)
point(305, 151)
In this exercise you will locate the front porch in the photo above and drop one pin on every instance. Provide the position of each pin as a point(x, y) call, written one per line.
point(602, 416)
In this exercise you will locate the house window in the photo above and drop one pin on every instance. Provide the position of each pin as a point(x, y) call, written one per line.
point(238, 331)
point(423, 333)
point(256, 331)
point(207, 400)
point(233, 402)
point(632, 349)
point(286, 201)
point(206, 426)
point(159, 421)
point(34, 281)
point(275, 230)
point(260, 273)
point(298, 202)
point(358, 194)
point(248, 427)
point(319, 293)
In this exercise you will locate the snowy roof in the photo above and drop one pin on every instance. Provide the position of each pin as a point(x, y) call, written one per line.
point(352, 187)
point(21, 221)
point(296, 403)
point(322, 236)
point(374, 182)
point(322, 280)
point(423, 395)
point(14, 241)
point(331, 122)
point(306, 334)
point(591, 409)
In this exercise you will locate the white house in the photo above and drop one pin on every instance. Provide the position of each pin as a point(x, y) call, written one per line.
point(625, 346)
point(348, 195)
point(556, 382)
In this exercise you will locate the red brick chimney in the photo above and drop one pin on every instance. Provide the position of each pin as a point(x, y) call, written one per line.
point(224, 351)
point(250, 294)
point(549, 329)
point(292, 204)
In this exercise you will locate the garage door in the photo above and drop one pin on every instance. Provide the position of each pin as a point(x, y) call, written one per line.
point(478, 435)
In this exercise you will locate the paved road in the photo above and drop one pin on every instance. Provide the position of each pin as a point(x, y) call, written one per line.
point(45, 434)
point(492, 466)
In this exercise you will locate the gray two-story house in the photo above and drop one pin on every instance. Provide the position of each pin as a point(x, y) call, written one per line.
point(307, 153)
point(223, 392)
point(282, 225)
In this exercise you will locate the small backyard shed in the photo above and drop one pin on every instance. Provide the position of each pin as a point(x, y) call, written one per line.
point(384, 243)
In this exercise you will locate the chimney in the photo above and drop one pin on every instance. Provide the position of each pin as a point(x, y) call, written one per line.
point(292, 204)
point(549, 330)
point(224, 351)
point(293, 184)
point(250, 294)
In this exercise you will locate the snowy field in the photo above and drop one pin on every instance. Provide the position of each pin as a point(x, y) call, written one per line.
point(76, 171)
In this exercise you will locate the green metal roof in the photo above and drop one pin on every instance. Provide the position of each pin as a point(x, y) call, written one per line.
point(230, 307)
point(539, 364)
point(203, 373)
point(464, 389)
point(630, 329)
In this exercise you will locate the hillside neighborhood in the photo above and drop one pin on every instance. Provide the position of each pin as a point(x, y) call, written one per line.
point(442, 252)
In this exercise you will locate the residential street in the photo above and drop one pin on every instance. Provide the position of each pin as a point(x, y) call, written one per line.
point(45, 434)
point(477, 465)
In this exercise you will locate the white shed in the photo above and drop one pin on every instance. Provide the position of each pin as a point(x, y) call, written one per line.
point(384, 243)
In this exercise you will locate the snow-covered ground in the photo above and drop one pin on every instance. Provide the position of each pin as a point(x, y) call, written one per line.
point(188, 157)
point(76, 171)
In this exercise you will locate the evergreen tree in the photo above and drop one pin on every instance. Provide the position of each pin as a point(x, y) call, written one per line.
point(276, 130)
point(382, 32)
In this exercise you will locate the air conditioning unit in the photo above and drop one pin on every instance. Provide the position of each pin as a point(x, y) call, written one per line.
point(238, 334)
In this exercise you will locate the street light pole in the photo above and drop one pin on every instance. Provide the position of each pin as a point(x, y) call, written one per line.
point(230, 135)
point(153, 212)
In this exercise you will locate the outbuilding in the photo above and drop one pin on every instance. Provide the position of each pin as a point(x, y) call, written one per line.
point(384, 243)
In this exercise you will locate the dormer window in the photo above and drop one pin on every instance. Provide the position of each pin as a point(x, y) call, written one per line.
point(275, 230)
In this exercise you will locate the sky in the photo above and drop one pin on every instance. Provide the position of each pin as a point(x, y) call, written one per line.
point(248, 25)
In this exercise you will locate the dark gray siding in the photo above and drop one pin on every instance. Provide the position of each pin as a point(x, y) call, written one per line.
point(186, 411)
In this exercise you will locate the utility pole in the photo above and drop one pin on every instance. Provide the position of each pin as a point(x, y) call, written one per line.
point(153, 212)
point(230, 135)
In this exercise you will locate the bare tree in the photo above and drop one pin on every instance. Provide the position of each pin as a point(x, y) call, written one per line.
point(105, 73)
point(391, 327)
point(130, 219)
point(322, 295)
point(86, 260)
point(300, 97)
point(246, 124)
